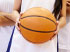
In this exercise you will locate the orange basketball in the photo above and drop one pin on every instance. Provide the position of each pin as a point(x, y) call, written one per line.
point(37, 25)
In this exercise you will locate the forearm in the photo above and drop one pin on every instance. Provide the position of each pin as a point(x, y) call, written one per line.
point(8, 18)
point(4, 21)
point(16, 10)
point(62, 22)
point(12, 16)
point(15, 15)
point(7, 15)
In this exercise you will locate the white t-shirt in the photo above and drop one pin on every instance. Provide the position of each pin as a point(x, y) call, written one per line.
point(64, 35)
point(19, 44)
point(5, 32)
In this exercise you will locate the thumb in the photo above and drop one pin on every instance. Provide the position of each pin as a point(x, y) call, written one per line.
point(57, 23)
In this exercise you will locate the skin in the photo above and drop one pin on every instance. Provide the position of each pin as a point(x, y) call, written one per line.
point(5, 19)
point(62, 20)
point(68, 7)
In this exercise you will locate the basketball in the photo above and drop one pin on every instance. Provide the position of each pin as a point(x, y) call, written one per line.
point(37, 25)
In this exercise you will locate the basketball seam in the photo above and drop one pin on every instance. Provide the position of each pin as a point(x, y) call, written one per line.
point(38, 16)
point(36, 30)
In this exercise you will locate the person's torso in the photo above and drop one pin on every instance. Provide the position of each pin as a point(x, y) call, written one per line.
point(19, 44)
point(47, 4)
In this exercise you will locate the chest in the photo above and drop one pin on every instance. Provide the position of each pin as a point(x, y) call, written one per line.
point(48, 4)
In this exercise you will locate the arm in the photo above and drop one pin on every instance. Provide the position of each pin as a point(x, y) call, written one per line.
point(62, 20)
point(11, 16)
point(15, 14)
point(4, 21)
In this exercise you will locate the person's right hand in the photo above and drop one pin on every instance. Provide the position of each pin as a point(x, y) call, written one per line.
point(18, 22)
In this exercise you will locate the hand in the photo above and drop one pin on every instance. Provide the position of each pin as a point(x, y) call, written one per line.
point(17, 23)
point(57, 30)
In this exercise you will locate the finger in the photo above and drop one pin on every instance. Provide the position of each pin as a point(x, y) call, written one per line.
point(19, 22)
point(57, 22)
point(55, 32)
point(17, 25)
point(21, 14)
point(52, 37)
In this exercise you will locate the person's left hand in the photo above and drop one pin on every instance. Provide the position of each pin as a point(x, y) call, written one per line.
point(57, 30)
point(18, 22)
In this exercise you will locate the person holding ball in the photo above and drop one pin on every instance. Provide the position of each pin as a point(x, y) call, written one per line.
point(57, 7)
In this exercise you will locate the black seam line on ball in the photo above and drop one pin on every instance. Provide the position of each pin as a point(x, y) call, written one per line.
point(38, 16)
point(36, 30)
